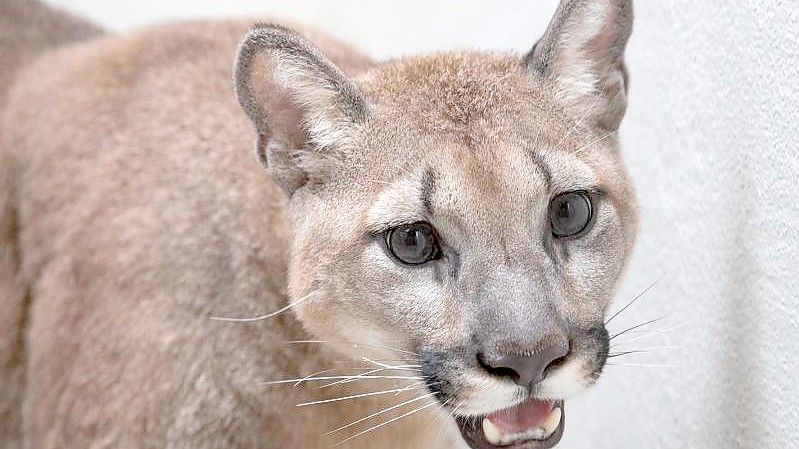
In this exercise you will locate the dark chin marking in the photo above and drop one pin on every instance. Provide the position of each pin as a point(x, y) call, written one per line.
point(595, 341)
point(438, 367)
point(599, 334)
point(436, 383)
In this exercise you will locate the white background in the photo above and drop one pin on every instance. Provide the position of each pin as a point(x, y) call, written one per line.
point(711, 141)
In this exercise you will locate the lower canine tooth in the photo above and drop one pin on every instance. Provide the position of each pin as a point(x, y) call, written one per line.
point(491, 433)
point(553, 421)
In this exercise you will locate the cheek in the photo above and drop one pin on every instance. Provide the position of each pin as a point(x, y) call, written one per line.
point(366, 297)
point(343, 306)
point(593, 270)
point(365, 292)
point(412, 299)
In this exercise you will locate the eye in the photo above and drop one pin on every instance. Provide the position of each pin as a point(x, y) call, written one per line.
point(570, 213)
point(413, 244)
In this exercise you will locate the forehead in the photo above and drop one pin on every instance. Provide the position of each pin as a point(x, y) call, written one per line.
point(441, 92)
point(485, 103)
point(475, 135)
point(488, 183)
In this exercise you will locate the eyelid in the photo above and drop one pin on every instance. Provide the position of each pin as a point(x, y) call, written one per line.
point(593, 191)
point(381, 228)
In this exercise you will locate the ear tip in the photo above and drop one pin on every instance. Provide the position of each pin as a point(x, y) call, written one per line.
point(268, 26)
point(274, 29)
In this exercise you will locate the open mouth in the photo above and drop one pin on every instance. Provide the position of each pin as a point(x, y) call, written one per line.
point(533, 424)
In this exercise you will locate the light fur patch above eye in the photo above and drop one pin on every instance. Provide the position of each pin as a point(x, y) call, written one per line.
point(571, 173)
point(399, 203)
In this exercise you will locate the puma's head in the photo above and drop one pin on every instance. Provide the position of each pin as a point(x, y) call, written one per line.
point(469, 208)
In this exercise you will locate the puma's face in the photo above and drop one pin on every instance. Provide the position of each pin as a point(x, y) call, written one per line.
point(468, 209)
point(488, 243)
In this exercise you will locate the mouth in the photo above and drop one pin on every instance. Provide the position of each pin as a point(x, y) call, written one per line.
point(532, 424)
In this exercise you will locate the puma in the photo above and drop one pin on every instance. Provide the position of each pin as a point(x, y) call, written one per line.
point(423, 258)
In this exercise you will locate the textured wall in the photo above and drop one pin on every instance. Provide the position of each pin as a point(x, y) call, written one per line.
point(711, 139)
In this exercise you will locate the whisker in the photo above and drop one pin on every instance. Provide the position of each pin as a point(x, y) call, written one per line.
point(356, 377)
point(359, 364)
point(644, 334)
point(362, 395)
point(314, 375)
point(387, 422)
point(386, 366)
point(341, 369)
point(618, 334)
point(637, 297)
point(371, 367)
point(384, 361)
point(393, 407)
point(642, 364)
point(619, 354)
point(307, 379)
point(641, 351)
point(268, 315)
point(588, 145)
point(648, 348)
point(354, 345)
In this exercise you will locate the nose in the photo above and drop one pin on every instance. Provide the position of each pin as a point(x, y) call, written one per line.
point(525, 370)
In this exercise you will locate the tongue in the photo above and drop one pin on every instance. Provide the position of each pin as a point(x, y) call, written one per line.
point(519, 418)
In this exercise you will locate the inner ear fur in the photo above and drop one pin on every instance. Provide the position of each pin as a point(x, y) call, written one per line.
point(299, 101)
point(582, 52)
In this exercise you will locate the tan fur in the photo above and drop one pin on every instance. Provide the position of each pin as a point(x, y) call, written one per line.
point(133, 211)
point(26, 29)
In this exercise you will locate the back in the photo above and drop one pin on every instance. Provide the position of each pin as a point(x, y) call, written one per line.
point(135, 209)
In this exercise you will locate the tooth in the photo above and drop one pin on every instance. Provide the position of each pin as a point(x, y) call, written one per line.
point(491, 432)
point(551, 424)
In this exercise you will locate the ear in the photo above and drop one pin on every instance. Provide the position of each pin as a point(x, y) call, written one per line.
point(582, 51)
point(304, 108)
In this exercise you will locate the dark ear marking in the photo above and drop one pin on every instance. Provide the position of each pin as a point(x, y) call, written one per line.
point(298, 100)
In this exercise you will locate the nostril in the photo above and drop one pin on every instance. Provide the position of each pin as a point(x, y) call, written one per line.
point(499, 371)
point(558, 361)
point(524, 369)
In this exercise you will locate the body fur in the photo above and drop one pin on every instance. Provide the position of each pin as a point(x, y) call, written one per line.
point(196, 229)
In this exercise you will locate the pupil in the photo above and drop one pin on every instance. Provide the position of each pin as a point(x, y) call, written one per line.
point(565, 209)
point(411, 237)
